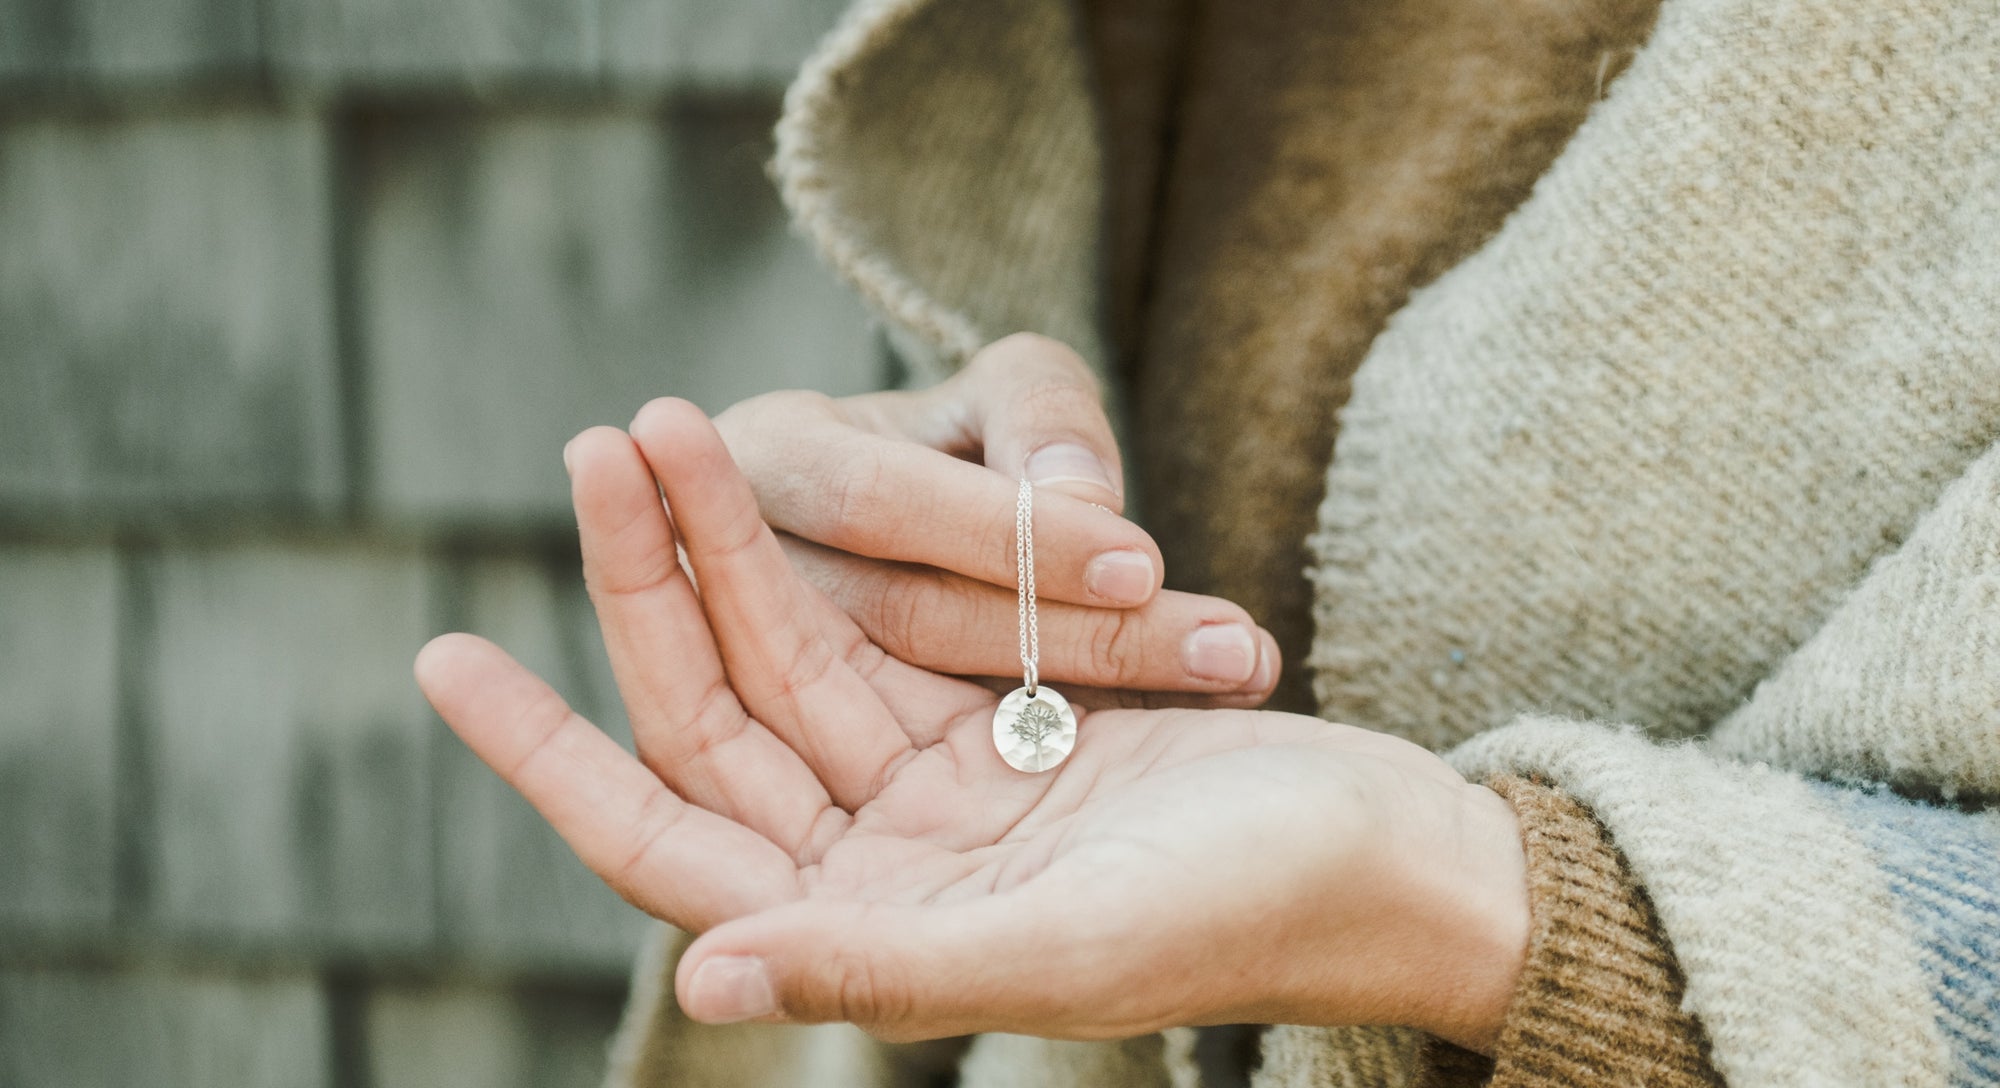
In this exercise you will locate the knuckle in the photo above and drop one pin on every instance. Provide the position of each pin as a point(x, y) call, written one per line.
point(863, 991)
point(1011, 353)
point(1004, 355)
point(1227, 611)
point(853, 480)
point(1115, 645)
point(994, 537)
point(896, 606)
point(912, 606)
point(1055, 396)
point(1060, 359)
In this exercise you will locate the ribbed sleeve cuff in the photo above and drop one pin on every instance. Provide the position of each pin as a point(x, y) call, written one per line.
point(1600, 994)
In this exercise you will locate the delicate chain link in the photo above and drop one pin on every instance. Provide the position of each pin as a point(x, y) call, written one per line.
point(1024, 581)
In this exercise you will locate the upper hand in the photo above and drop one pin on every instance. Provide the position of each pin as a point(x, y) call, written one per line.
point(839, 824)
point(900, 507)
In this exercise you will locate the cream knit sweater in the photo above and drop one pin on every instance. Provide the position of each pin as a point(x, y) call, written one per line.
point(1681, 494)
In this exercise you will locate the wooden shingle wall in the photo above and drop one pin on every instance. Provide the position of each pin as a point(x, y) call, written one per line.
point(299, 300)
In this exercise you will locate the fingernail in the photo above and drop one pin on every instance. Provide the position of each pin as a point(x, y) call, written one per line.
point(727, 989)
point(1222, 652)
point(1067, 462)
point(1267, 666)
point(567, 466)
point(1121, 577)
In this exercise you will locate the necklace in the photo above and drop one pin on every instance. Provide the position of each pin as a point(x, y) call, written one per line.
point(1034, 728)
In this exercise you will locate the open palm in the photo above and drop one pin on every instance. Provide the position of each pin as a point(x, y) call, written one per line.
point(840, 824)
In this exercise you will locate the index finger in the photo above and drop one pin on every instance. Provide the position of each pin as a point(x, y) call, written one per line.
point(671, 859)
point(897, 500)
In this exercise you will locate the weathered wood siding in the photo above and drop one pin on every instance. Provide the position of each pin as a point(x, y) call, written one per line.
point(299, 300)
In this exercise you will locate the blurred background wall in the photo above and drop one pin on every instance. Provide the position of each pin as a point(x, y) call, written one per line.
point(299, 300)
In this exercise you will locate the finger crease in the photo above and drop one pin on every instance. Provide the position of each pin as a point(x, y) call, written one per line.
point(742, 535)
point(657, 826)
point(566, 719)
point(808, 668)
point(658, 579)
point(826, 829)
point(717, 701)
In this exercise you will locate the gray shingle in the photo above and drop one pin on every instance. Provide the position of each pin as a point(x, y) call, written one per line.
point(71, 41)
point(165, 331)
point(113, 1028)
point(58, 738)
point(734, 44)
point(433, 43)
point(537, 274)
point(291, 750)
point(461, 1035)
point(510, 893)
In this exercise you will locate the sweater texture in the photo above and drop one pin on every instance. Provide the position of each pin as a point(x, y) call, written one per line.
point(1326, 159)
point(1678, 495)
point(1599, 999)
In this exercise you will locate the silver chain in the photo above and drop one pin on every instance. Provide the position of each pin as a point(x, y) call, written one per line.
point(1024, 580)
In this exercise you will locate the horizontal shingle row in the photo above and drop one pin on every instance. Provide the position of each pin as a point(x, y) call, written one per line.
point(96, 1026)
point(218, 750)
point(255, 313)
point(70, 46)
point(177, 1025)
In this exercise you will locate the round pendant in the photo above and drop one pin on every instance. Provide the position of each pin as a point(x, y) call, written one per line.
point(1034, 734)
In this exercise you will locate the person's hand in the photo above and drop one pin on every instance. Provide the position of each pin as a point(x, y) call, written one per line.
point(900, 507)
point(839, 824)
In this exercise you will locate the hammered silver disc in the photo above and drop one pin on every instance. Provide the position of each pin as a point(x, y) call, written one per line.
point(1034, 734)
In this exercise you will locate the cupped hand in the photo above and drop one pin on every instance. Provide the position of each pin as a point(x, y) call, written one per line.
point(838, 825)
point(900, 507)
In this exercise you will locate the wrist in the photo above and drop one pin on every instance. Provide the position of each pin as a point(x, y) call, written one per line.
point(1425, 927)
point(1475, 922)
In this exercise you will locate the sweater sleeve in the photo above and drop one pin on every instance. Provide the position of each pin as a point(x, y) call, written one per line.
point(1825, 934)
point(1600, 993)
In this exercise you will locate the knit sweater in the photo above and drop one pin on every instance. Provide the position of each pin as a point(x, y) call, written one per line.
point(1678, 495)
point(1297, 169)
point(1599, 999)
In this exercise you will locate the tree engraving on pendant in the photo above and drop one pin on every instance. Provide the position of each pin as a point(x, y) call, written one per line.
point(1034, 734)
point(1037, 723)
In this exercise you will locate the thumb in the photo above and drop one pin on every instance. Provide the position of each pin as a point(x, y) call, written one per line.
point(903, 972)
point(1040, 415)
